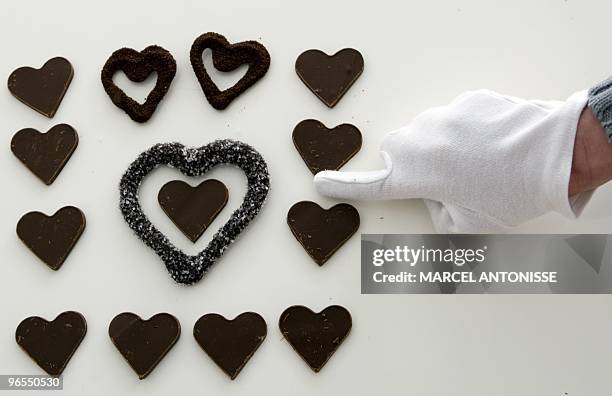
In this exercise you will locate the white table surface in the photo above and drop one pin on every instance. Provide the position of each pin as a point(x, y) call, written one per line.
point(417, 55)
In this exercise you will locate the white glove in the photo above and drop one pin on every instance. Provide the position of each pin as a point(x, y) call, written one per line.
point(484, 163)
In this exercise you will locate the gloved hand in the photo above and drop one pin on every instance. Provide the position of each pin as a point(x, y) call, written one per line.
point(484, 163)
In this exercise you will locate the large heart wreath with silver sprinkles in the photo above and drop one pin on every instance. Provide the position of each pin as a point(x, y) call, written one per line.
point(194, 162)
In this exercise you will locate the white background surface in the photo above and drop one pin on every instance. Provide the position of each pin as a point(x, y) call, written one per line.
point(417, 54)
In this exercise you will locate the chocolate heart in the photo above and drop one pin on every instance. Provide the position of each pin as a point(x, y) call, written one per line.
point(329, 77)
point(192, 209)
point(230, 343)
point(42, 89)
point(194, 162)
point(45, 154)
point(227, 57)
point(315, 336)
point(326, 149)
point(51, 344)
point(137, 66)
point(144, 343)
point(321, 232)
point(51, 238)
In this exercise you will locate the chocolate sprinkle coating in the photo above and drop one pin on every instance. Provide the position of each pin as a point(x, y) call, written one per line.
point(137, 66)
point(194, 162)
point(227, 57)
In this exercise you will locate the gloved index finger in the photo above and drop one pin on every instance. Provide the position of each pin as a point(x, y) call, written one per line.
point(369, 185)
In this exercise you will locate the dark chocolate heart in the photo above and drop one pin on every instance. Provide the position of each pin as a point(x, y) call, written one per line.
point(51, 344)
point(329, 77)
point(194, 162)
point(192, 209)
point(315, 336)
point(322, 232)
point(230, 343)
point(326, 149)
point(51, 238)
point(144, 343)
point(42, 89)
point(45, 154)
point(228, 57)
point(137, 66)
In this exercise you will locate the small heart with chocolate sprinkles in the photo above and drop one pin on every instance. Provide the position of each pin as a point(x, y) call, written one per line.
point(194, 162)
point(51, 238)
point(144, 343)
point(45, 154)
point(227, 57)
point(230, 343)
point(322, 148)
point(192, 209)
point(51, 344)
point(322, 232)
point(137, 66)
point(315, 336)
point(42, 89)
point(329, 77)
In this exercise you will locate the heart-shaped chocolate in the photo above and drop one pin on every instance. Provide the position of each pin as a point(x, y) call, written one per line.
point(45, 154)
point(230, 343)
point(194, 162)
point(137, 66)
point(329, 77)
point(321, 232)
point(144, 343)
point(51, 238)
point(326, 149)
point(315, 336)
point(51, 344)
point(192, 209)
point(42, 89)
point(227, 57)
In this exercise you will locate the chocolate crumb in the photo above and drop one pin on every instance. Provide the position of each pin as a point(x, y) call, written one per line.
point(137, 66)
point(228, 57)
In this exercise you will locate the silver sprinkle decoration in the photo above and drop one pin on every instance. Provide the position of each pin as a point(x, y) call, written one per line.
point(183, 268)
